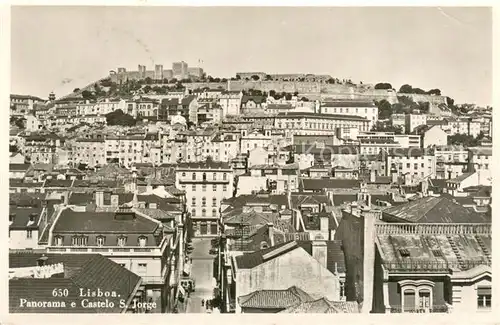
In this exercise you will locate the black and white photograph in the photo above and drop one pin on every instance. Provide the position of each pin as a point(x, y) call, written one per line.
point(248, 160)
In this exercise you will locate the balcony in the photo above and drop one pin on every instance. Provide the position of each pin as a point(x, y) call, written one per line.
point(434, 309)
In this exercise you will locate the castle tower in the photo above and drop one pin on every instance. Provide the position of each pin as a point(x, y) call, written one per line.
point(159, 72)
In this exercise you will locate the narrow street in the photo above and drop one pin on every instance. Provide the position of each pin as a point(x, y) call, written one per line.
point(201, 271)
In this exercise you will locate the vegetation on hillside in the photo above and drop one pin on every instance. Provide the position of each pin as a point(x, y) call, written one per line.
point(119, 118)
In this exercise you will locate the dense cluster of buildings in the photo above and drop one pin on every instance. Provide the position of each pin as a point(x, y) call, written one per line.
point(309, 210)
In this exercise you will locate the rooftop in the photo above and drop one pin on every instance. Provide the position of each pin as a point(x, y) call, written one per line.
point(274, 299)
point(329, 183)
point(433, 210)
point(323, 306)
point(86, 271)
point(102, 222)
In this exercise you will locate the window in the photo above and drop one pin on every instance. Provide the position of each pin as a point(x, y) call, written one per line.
point(122, 241)
point(224, 176)
point(193, 212)
point(142, 269)
point(214, 212)
point(193, 201)
point(79, 241)
point(59, 241)
point(224, 187)
point(183, 174)
point(194, 176)
point(214, 201)
point(142, 241)
point(416, 295)
point(342, 290)
point(203, 201)
point(204, 187)
point(193, 188)
point(204, 176)
point(214, 187)
point(29, 234)
point(215, 176)
point(100, 241)
point(484, 297)
point(203, 212)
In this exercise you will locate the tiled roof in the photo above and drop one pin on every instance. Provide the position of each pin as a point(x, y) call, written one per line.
point(327, 183)
point(209, 164)
point(251, 260)
point(348, 104)
point(325, 150)
point(80, 198)
point(264, 199)
point(19, 167)
point(302, 199)
point(323, 306)
point(433, 210)
point(156, 214)
point(86, 271)
point(71, 221)
point(432, 251)
point(57, 183)
point(26, 199)
point(460, 178)
point(22, 218)
point(274, 299)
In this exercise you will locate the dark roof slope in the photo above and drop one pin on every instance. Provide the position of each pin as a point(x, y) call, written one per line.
point(85, 271)
point(274, 299)
point(71, 221)
point(334, 255)
point(251, 260)
point(433, 210)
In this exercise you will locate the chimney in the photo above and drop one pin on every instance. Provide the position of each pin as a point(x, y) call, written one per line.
point(115, 200)
point(394, 175)
point(319, 251)
point(42, 261)
point(369, 218)
point(372, 176)
point(32, 217)
point(99, 198)
point(324, 222)
point(270, 231)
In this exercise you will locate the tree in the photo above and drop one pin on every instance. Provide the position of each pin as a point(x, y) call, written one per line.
point(272, 93)
point(382, 127)
point(330, 81)
point(288, 96)
point(173, 80)
point(223, 80)
point(255, 77)
point(450, 102)
point(119, 118)
point(383, 85)
point(238, 77)
point(434, 92)
point(20, 122)
point(87, 95)
point(76, 90)
point(463, 140)
point(384, 109)
point(268, 77)
point(304, 99)
point(148, 81)
point(407, 89)
point(296, 93)
point(147, 89)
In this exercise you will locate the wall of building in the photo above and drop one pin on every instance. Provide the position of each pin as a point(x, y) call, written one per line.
point(465, 295)
point(438, 291)
point(18, 239)
point(295, 268)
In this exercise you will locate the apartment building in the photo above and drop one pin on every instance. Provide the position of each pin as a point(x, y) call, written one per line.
point(130, 149)
point(129, 236)
point(230, 101)
point(451, 161)
point(367, 109)
point(206, 184)
point(91, 152)
point(412, 121)
point(404, 140)
point(414, 164)
point(100, 108)
point(480, 161)
point(42, 148)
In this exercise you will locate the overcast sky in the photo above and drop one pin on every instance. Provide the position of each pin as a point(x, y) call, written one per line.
point(445, 48)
